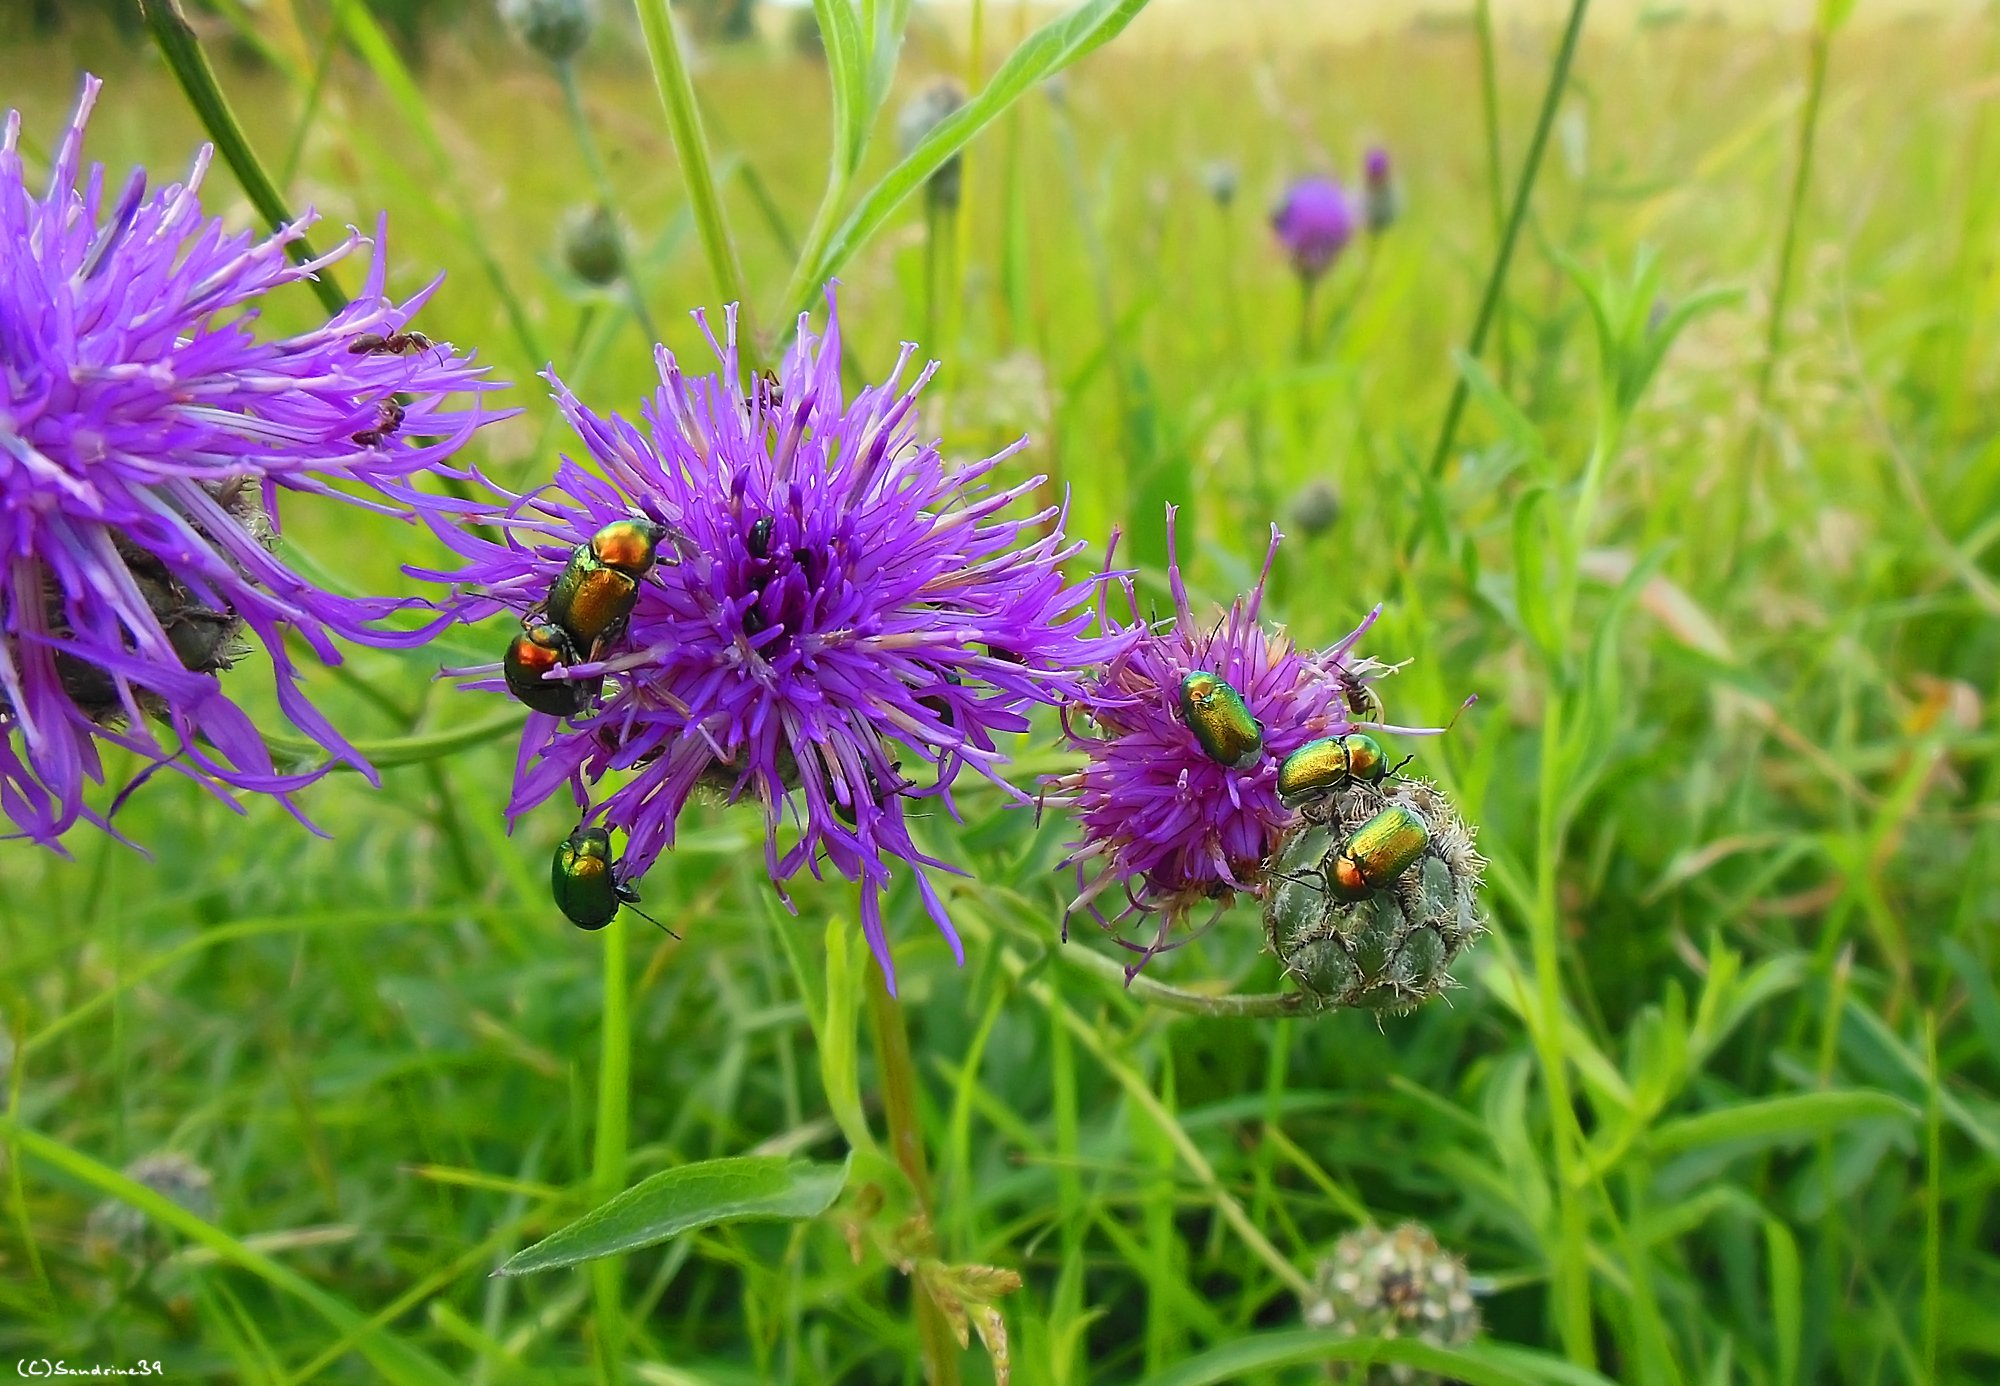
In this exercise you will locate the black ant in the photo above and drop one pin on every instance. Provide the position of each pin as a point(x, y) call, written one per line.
point(388, 418)
point(394, 344)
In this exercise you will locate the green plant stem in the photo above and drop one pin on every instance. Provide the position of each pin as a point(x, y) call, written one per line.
point(184, 57)
point(1496, 278)
point(1496, 187)
point(607, 197)
point(607, 1171)
point(1781, 290)
point(1232, 1211)
point(906, 1142)
point(1254, 1006)
point(677, 97)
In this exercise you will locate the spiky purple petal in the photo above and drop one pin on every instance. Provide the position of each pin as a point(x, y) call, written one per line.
point(146, 434)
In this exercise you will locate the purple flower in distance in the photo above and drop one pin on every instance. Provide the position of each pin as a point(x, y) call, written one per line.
point(1166, 827)
point(839, 621)
point(1314, 221)
point(146, 433)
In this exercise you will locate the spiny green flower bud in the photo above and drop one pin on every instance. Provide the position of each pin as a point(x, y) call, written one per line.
point(115, 1228)
point(557, 29)
point(921, 114)
point(1374, 918)
point(590, 243)
point(1316, 508)
point(1399, 1284)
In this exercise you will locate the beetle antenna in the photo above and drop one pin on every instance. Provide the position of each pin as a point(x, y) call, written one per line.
point(650, 920)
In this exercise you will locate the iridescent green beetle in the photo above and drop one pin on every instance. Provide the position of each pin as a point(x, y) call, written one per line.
point(1221, 721)
point(584, 880)
point(1377, 852)
point(1331, 763)
point(594, 596)
point(533, 653)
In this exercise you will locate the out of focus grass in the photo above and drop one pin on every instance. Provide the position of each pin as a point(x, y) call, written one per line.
point(1767, 875)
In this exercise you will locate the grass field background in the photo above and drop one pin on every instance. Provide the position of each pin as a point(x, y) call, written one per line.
point(1720, 1097)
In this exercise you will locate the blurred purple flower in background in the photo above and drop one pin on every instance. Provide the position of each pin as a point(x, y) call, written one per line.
point(146, 433)
point(1314, 221)
point(838, 623)
point(1381, 200)
point(1166, 827)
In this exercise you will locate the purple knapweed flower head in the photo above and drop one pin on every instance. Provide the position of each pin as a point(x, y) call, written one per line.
point(1381, 202)
point(839, 621)
point(146, 434)
point(1314, 221)
point(1166, 827)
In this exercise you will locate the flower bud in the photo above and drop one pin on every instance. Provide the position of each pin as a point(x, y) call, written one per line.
point(590, 240)
point(1389, 949)
point(1399, 1284)
point(1381, 200)
point(118, 1229)
point(921, 114)
point(557, 29)
point(1220, 177)
point(1316, 508)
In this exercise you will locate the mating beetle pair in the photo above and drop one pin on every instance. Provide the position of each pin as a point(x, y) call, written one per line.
point(587, 608)
point(1375, 853)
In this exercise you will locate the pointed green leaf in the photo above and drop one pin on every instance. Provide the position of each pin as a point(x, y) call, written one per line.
point(1041, 55)
point(684, 1199)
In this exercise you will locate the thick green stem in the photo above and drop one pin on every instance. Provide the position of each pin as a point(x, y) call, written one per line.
point(607, 197)
point(677, 97)
point(898, 1072)
point(607, 1174)
point(1496, 278)
point(184, 57)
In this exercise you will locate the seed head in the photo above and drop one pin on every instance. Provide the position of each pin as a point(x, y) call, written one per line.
point(556, 29)
point(1398, 1284)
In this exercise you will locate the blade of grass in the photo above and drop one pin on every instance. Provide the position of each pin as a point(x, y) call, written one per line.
point(397, 1360)
point(607, 1168)
point(677, 98)
point(1496, 277)
point(1044, 53)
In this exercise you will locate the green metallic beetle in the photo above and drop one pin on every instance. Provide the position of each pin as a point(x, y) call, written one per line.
point(532, 654)
point(594, 596)
point(1377, 852)
point(1221, 721)
point(1331, 763)
point(584, 880)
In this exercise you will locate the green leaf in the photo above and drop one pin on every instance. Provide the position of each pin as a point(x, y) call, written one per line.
point(839, 1050)
point(1042, 54)
point(684, 1199)
point(1779, 1120)
point(847, 66)
point(1478, 1365)
point(1787, 1315)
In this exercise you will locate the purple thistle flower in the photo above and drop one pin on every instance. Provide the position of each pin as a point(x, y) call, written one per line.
point(1314, 222)
point(145, 436)
point(1166, 826)
point(839, 621)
